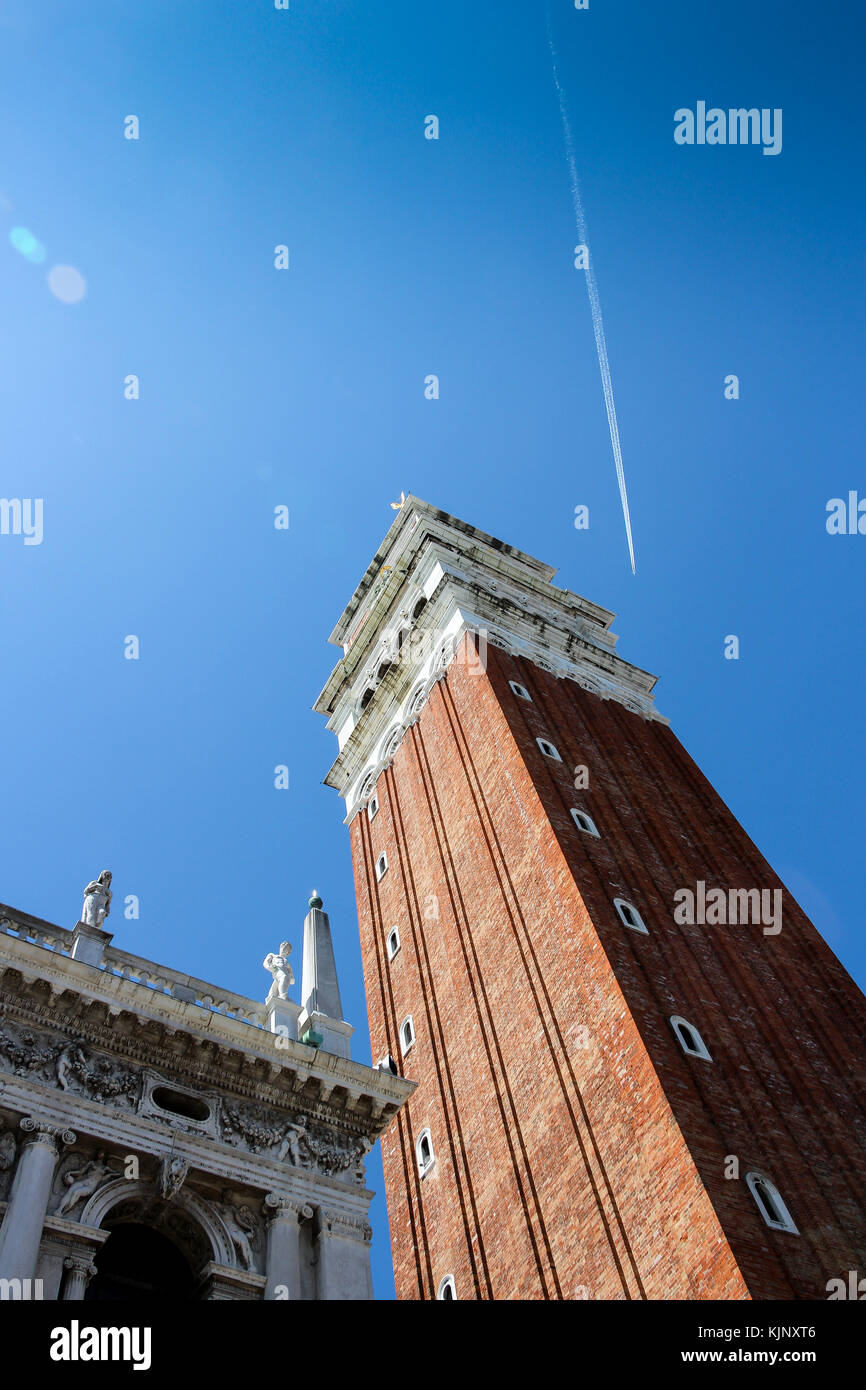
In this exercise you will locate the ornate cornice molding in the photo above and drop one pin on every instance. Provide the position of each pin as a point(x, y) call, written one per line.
point(285, 1131)
point(324, 1087)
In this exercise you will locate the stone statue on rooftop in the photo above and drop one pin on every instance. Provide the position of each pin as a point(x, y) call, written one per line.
point(97, 900)
point(278, 964)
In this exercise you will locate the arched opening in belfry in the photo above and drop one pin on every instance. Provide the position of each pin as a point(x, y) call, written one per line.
point(138, 1262)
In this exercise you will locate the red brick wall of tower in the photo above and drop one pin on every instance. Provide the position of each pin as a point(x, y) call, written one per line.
point(579, 1152)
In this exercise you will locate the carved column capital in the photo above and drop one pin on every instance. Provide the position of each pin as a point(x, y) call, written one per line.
point(21, 1232)
point(338, 1224)
point(81, 1271)
point(48, 1136)
point(282, 1208)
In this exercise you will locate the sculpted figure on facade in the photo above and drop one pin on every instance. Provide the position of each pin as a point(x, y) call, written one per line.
point(277, 962)
point(71, 1065)
point(293, 1136)
point(362, 1148)
point(83, 1182)
point(305, 1147)
point(97, 900)
point(7, 1155)
point(240, 1224)
point(172, 1175)
point(67, 1062)
point(99, 1077)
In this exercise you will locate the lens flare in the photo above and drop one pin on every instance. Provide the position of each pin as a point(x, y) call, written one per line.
point(27, 245)
point(66, 283)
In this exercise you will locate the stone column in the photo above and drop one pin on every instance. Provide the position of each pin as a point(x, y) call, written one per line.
point(81, 1271)
point(21, 1234)
point(284, 1246)
point(343, 1257)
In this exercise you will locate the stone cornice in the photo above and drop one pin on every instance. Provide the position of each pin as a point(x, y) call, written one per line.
point(413, 521)
point(380, 597)
point(292, 1066)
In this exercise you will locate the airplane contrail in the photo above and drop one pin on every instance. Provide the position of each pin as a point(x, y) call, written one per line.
point(592, 291)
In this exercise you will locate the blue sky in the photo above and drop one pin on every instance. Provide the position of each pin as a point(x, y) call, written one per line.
point(306, 388)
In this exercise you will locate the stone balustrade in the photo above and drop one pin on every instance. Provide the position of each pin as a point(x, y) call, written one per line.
point(136, 969)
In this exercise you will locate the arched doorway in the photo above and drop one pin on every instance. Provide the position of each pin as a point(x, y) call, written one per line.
point(140, 1263)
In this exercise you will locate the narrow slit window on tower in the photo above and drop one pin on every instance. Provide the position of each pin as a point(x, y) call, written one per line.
point(548, 749)
point(367, 697)
point(393, 943)
point(630, 916)
point(447, 1290)
point(372, 807)
point(407, 1034)
point(520, 690)
point(381, 866)
point(419, 608)
point(424, 1152)
point(689, 1038)
point(585, 822)
point(769, 1202)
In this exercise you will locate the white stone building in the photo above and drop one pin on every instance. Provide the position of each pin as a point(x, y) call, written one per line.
point(164, 1138)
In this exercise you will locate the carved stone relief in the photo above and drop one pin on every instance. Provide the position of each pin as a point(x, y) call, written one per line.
point(242, 1226)
point(173, 1171)
point(299, 1142)
point(8, 1148)
point(67, 1063)
point(79, 1070)
point(82, 1180)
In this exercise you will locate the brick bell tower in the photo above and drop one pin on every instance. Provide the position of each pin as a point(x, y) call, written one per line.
point(640, 1069)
